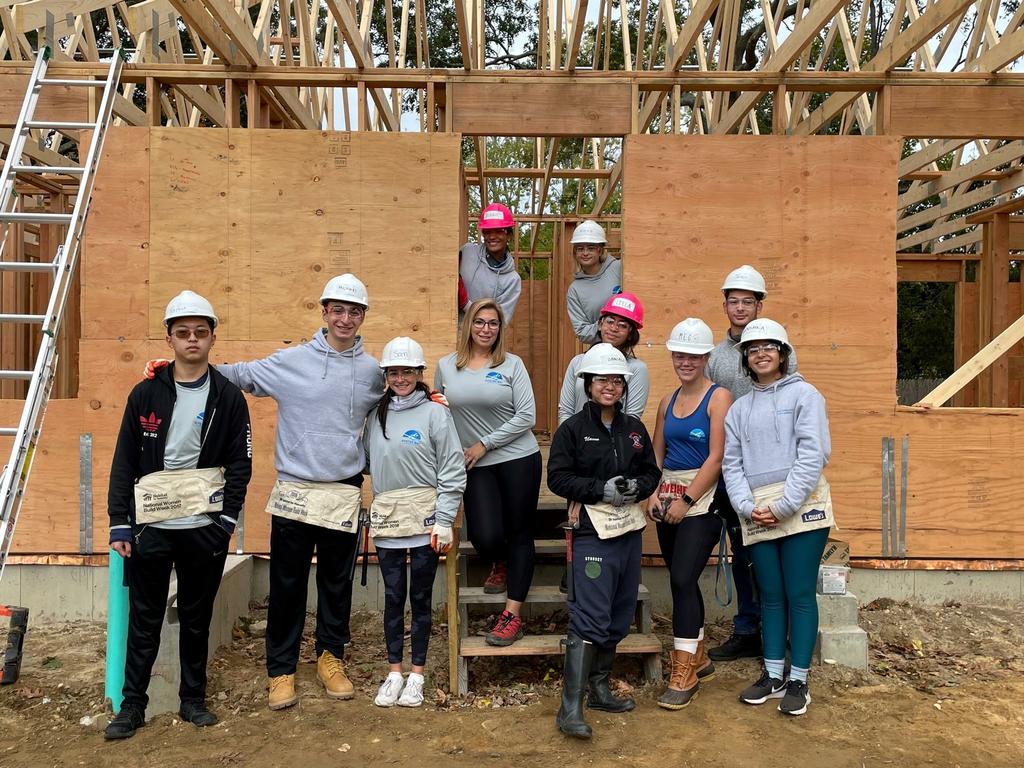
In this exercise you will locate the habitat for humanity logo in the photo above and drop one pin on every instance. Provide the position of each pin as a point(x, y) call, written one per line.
point(494, 378)
point(698, 435)
point(411, 437)
point(150, 425)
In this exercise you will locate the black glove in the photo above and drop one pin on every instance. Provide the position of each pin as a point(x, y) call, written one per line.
point(613, 491)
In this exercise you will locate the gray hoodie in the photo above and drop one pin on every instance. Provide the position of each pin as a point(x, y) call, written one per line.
point(725, 367)
point(322, 397)
point(588, 294)
point(483, 281)
point(572, 398)
point(776, 433)
point(422, 450)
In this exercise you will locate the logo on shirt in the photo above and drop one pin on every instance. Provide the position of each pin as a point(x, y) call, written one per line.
point(638, 441)
point(199, 418)
point(698, 435)
point(411, 437)
point(616, 289)
point(494, 378)
point(150, 425)
point(589, 439)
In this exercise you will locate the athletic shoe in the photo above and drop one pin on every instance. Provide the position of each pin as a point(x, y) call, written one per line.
point(194, 711)
point(389, 691)
point(766, 687)
point(412, 694)
point(128, 720)
point(495, 582)
point(506, 631)
point(797, 698)
point(737, 647)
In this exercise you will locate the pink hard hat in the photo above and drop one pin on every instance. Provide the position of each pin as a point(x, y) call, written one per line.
point(496, 216)
point(625, 305)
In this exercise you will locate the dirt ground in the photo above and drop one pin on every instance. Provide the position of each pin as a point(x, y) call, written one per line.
point(945, 688)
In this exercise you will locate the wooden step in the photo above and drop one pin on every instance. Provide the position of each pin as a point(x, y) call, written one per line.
point(545, 594)
point(541, 546)
point(550, 645)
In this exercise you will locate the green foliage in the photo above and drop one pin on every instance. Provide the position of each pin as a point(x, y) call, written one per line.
point(925, 323)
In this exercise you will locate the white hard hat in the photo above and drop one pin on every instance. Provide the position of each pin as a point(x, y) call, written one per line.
point(763, 329)
point(345, 287)
point(402, 351)
point(691, 336)
point(189, 304)
point(604, 359)
point(745, 278)
point(589, 232)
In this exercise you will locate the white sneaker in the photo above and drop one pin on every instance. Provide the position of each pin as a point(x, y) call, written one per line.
point(389, 690)
point(412, 694)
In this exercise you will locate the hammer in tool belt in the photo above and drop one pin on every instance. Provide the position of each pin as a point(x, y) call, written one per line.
point(569, 526)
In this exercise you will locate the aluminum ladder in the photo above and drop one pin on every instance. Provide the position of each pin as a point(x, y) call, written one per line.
point(65, 260)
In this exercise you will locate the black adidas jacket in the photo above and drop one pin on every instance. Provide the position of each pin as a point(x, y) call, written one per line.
point(584, 456)
point(226, 441)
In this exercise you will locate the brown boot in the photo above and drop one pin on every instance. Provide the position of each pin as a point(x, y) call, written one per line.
point(282, 692)
point(331, 674)
point(704, 666)
point(683, 684)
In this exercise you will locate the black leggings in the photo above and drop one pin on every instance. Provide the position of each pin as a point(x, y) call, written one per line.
point(686, 548)
point(501, 506)
point(420, 587)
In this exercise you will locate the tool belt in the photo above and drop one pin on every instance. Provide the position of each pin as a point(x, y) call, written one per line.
point(328, 505)
point(174, 493)
point(610, 521)
point(814, 513)
point(674, 483)
point(403, 512)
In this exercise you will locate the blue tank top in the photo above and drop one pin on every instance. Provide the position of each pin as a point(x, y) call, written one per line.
point(687, 440)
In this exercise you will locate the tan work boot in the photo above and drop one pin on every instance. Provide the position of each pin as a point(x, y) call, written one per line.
point(282, 692)
point(331, 673)
point(683, 684)
point(702, 664)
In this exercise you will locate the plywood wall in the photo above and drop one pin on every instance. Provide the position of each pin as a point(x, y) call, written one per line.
point(256, 221)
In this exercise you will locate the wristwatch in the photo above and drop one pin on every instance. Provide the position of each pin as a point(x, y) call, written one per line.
point(688, 499)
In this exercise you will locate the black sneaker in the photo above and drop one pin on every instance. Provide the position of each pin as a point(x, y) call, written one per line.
point(797, 698)
point(737, 647)
point(124, 725)
point(766, 687)
point(195, 712)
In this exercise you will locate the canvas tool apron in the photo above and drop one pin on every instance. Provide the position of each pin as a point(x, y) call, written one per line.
point(674, 483)
point(814, 513)
point(174, 493)
point(328, 505)
point(610, 521)
point(403, 512)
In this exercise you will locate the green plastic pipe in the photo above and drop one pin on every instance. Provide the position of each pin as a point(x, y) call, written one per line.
point(117, 629)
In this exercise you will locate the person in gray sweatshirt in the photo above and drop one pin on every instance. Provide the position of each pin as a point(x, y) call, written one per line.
point(599, 277)
point(492, 400)
point(777, 445)
point(487, 270)
point(418, 475)
point(323, 390)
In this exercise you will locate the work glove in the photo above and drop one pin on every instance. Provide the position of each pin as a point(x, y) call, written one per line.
point(441, 538)
point(438, 398)
point(631, 492)
point(612, 494)
point(153, 366)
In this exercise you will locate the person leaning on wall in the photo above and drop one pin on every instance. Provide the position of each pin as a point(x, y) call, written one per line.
point(599, 277)
point(487, 269)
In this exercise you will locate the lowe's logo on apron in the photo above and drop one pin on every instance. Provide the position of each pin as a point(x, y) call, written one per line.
point(428, 521)
point(813, 516)
point(217, 497)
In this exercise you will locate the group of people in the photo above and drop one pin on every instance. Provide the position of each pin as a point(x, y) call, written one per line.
point(741, 443)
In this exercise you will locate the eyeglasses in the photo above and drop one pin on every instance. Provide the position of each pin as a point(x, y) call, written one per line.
point(610, 381)
point(587, 247)
point(186, 333)
point(612, 322)
point(746, 303)
point(402, 373)
point(355, 313)
point(757, 349)
point(481, 323)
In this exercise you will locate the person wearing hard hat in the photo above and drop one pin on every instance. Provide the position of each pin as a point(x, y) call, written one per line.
point(777, 445)
point(689, 438)
point(744, 292)
point(418, 475)
point(602, 462)
point(491, 399)
point(178, 479)
point(487, 270)
point(599, 278)
point(619, 324)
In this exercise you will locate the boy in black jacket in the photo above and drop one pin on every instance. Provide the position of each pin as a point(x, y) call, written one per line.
point(177, 484)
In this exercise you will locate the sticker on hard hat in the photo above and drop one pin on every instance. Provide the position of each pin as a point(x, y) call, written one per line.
point(493, 215)
point(623, 303)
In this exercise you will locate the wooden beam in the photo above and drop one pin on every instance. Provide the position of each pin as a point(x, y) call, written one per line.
point(978, 111)
point(576, 35)
point(927, 271)
point(955, 203)
point(1010, 206)
point(1005, 154)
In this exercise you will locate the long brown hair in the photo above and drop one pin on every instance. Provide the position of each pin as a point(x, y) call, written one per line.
point(465, 345)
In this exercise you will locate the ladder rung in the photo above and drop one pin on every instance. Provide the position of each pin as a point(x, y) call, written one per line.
point(24, 375)
point(71, 170)
point(36, 218)
point(58, 81)
point(27, 266)
point(5, 318)
point(59, 125)
point(8, 431)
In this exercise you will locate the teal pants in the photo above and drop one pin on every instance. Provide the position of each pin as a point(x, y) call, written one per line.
point(786, 570)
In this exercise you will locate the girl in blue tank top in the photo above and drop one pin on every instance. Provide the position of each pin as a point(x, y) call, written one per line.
point(687, 438)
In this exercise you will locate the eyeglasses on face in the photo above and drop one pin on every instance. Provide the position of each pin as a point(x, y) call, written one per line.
point(757, 349)
point(336, 310)
point(402, 373)
point(610, 381)
point(745, 303)
point(186, 333)
point(587, 248)
point(612, 322)
point(481, 323)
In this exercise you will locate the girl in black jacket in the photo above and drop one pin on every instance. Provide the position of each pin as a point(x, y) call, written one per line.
point(603, 463)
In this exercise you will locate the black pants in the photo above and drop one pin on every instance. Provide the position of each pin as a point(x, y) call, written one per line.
point(292, 544)
point(686, 548)
point(501, 506)
point(606, 577)
point(197, 556)
point(419, 587)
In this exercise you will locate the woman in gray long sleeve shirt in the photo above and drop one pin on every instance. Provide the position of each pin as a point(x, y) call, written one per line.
point(491, 399)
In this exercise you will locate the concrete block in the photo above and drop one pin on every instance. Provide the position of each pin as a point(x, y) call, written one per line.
point(837, 610)
point(968, 586)
point(870, 584)
point(10, 586)
point(847, 646)
point(100, 591)
point(57, 593)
